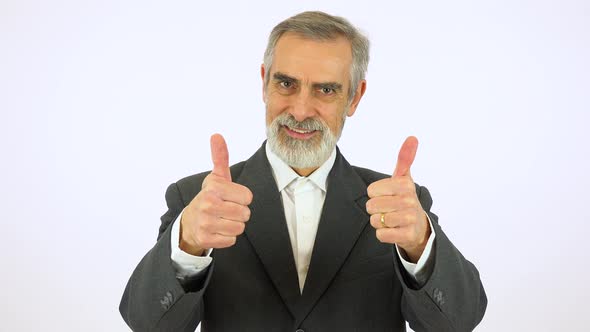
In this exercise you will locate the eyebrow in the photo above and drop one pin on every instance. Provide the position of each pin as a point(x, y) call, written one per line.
point(278, 76)
point(330, 85)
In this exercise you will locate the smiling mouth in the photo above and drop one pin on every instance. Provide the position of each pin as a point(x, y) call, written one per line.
point(300, 133)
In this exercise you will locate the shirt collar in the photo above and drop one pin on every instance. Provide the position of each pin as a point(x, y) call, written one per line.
point(284, 174)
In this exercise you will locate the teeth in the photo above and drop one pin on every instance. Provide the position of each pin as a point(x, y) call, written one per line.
point(301, 131)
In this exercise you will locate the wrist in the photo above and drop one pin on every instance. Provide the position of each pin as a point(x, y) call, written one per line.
point(186, 246)
point(189, 249)
point(414, 253)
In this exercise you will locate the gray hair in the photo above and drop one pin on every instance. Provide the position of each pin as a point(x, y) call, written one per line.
point(321, 26)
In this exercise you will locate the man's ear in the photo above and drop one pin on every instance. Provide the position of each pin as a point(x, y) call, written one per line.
point(262, 73)
point(360, 91)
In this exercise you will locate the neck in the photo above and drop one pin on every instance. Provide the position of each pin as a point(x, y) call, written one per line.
point(305, 171)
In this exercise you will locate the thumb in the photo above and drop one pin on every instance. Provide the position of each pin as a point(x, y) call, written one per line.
point(220, 157)
point(406, 156)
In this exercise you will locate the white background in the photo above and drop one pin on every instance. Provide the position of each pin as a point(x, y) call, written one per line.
point(104, 103)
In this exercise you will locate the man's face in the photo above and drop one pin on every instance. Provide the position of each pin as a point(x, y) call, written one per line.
point(306, 98)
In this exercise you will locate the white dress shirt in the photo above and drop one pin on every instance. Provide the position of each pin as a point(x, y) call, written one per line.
point(303, 199)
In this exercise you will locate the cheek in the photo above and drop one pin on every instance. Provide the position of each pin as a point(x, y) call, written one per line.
point(275, 105)
point(270, 115)
point(272, 111)
point(333, 117)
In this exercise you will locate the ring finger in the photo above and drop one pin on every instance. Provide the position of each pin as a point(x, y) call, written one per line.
point(387, 220)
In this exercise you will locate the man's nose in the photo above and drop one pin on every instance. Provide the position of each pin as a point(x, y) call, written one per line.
point(303, 106)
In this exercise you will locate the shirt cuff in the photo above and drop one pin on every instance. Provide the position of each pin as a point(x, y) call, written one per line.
point(186, 265)
point(420, 271)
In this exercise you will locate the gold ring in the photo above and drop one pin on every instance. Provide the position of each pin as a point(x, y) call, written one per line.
point(383, 220)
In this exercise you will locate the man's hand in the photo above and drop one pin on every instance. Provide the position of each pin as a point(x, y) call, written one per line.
point(394, 207)
point(218, 214)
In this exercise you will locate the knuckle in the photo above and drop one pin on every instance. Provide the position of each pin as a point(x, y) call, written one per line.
point(246, 214)
point(374, 222)
point(222, 244)
point(212, 190)
point(374, 188)
point(369, 206)
point(206, 206)
point(249, 196)
point(380, 236)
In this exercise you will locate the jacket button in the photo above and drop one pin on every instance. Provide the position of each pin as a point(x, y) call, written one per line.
point(438, 296)
point(299, 330)
point(167, 301)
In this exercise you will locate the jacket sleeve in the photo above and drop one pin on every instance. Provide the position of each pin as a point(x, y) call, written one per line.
point(452, 298)
point(154, 299)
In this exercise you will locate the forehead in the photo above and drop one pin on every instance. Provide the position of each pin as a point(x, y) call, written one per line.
point(313, 60)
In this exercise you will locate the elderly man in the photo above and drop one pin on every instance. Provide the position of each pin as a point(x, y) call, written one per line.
point(295, 238)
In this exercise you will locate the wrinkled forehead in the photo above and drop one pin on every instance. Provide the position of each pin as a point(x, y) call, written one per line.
point(311, 60)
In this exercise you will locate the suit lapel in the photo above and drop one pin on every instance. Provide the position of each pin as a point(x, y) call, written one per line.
point(267, 229)
point(342, 220)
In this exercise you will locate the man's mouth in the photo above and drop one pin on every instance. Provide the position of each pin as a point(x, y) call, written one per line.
point(300, 133)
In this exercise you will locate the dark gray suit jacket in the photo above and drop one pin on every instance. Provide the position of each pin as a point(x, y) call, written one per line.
point(354, 282)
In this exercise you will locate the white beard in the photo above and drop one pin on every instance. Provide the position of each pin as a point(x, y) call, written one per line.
point(299, 153)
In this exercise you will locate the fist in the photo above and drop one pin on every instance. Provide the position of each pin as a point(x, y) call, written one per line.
point(395, 210)
point(218, 214)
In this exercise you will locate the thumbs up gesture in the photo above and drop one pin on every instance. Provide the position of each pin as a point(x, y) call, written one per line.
point(395, 210)
point(219, 212)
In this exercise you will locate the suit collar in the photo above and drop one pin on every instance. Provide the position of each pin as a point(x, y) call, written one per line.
point(284, 174)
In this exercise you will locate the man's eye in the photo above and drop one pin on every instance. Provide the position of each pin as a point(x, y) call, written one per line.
point(286, 84)
point(327, 91)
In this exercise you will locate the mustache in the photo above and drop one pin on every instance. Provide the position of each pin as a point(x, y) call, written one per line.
point(307, 124)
